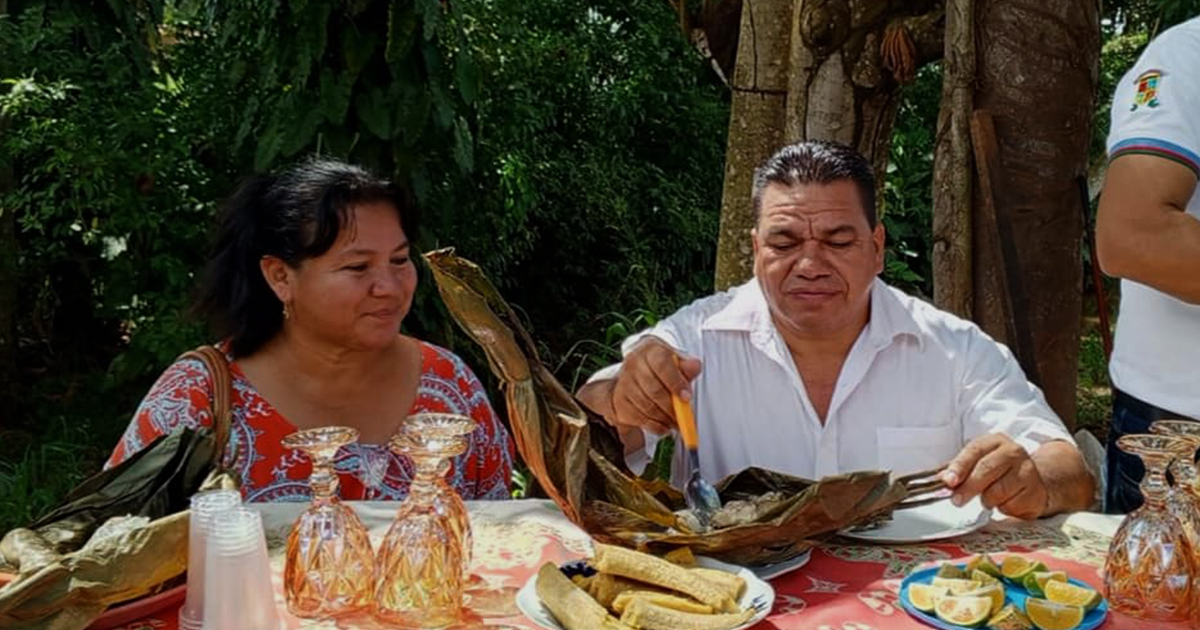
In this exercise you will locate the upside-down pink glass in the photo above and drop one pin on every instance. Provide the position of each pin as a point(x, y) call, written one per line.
point(420, 571)
point(1150, 566)
point(329, 568)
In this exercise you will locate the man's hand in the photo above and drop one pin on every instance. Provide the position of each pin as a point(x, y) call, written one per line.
point(649, 375)
point(998, 469)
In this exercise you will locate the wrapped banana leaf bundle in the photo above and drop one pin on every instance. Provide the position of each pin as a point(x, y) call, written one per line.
point(578, 460)
point(120, 535)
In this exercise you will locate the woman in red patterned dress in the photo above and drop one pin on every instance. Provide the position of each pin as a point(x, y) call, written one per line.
point(311, 277)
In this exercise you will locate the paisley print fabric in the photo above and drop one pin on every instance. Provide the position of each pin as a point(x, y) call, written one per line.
point(366, 471)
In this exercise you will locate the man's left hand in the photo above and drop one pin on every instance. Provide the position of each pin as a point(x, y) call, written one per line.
point(999, 470)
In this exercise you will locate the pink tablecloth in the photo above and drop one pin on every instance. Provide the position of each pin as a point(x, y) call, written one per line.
point(844, 587)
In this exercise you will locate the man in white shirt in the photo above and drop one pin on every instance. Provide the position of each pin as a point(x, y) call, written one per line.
point(817, 367)
point(1148, 234)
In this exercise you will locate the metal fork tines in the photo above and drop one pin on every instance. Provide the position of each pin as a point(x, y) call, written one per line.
point(758, 605)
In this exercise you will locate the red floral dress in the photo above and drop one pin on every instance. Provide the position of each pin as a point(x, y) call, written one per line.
point(271, 472)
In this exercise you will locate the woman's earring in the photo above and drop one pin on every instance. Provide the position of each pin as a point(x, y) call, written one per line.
point(287, 312)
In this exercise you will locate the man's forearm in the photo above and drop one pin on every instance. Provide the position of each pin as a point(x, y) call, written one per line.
point(1069, 484)
point(1163, 252)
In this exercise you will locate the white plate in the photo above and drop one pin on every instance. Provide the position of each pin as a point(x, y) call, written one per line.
point(936, 521)
point(756, 589)
point(772, 571)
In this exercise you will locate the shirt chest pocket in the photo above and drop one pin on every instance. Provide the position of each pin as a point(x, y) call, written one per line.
point(905, 450)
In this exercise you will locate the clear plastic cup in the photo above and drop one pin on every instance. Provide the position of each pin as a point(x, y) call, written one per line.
point(237, 575)
point(204, 506)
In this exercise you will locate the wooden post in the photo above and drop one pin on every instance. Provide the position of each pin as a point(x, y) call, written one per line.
point(756, 119)
point(952, 172)
point(1014, 300)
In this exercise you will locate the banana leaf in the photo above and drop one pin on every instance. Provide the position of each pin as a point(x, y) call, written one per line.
point(579, 461)
point(67, 576)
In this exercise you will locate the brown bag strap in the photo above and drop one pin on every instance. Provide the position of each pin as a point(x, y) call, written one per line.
point(222, 402)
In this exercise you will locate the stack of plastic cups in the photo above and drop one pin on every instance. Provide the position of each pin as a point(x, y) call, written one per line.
point(237, 575)
point(205, 505)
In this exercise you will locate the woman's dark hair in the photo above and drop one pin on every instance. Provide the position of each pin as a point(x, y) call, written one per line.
point(293, 215)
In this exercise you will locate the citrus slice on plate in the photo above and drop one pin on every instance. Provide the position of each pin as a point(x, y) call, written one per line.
point(924, 597)
point(1036, 582)
point(994, 592)
point(964, 611)
point(1015, 568)
point(957, 586)
point(984, 563)
point(984, 578)
point(948, 570)
point(1009, 618)
point(1048, 615)
point(1067, 593)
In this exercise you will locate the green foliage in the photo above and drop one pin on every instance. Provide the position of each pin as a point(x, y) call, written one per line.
point(908, 187)
point(1148, 17)
point(106, 198)
point(603, 133)
point(1117, 56)
point(572, 147)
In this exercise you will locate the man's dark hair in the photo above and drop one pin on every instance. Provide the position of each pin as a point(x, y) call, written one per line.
point(817, 162)
point(293, 215)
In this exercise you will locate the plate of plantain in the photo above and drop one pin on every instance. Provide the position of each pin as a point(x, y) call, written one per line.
point(622, 589)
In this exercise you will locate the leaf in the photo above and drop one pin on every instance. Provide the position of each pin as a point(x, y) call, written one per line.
point(357, 48)
point(412, 112)
point(372, 110)
point(302, 133)
point(268, 148)
point(248, 113)
point(466, 75)
point(431, 16)
point(443, 108)
point(402, 31)
point(464, 147)
point(335, 96)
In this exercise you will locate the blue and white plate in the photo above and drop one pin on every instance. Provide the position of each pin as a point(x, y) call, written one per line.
point(1012, 595)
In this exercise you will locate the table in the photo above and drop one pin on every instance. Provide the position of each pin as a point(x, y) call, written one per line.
point(846, 586)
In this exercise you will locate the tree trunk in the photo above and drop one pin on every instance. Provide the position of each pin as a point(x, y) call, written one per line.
point(813, 70)
point(756, 117)
point(953, 165)
point(8, 273)
point(1037, 73)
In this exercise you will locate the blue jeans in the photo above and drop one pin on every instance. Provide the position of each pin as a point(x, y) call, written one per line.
point(1125, 471)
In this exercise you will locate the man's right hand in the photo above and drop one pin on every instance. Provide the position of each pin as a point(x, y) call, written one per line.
point(650, 373)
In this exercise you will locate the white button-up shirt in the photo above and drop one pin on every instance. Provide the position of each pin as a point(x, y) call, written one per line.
point(917, 385)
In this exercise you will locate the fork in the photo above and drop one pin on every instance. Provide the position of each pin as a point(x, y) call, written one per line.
point(758, 605)
point(701, 496)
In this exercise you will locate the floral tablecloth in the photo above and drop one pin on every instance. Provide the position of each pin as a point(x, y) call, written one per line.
point(846, 586)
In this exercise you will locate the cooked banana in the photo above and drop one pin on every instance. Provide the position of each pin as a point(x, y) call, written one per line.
point(606, 588)
point(659, 572)
point(733, 585)
point(666, 600)
point(682, 556)
point(572, 607)
point(644, 614)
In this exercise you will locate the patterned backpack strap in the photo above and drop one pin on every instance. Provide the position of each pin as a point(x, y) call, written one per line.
point(222, 402)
